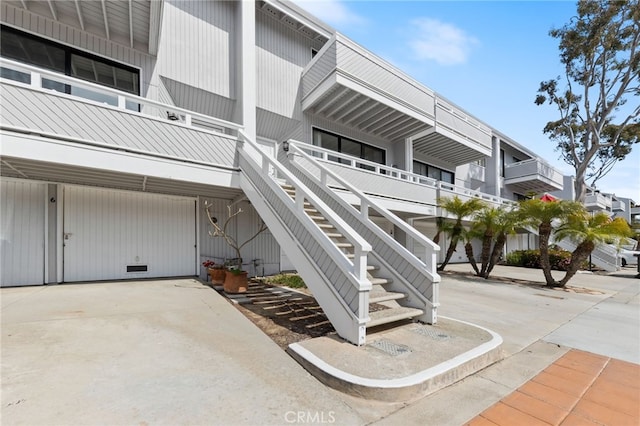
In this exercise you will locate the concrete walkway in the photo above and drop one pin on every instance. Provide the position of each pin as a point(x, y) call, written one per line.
point(148, 353)
point(176, 352)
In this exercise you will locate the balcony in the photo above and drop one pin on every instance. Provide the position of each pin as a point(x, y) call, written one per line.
point(618, 206)
point(396, 189)
point(595, 201)
point(349, 85)
point(55, 127)
point(533, 175)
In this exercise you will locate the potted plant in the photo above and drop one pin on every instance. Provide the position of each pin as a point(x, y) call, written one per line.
point(236, 280)
point(215, 270)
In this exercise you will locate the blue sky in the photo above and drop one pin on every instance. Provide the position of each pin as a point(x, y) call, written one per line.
point(488, 57)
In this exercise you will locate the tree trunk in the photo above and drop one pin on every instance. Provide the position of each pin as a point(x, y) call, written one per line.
point(498, 248)
point(579, 255)
point(468, 249)
point(486, 251)
point(579, 185)
point(455, 236)
point(544, 232)
point(436, 238)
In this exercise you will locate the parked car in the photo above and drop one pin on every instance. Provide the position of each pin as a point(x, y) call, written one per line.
point(628, 257)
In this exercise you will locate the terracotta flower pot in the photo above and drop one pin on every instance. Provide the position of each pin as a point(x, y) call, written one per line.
point(217, 275)
point(236, 282)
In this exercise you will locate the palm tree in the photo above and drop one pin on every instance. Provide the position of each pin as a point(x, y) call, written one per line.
point(588, 231)
point(492, 225)
point(541, 215)
point(508, 221)
point(460, 210)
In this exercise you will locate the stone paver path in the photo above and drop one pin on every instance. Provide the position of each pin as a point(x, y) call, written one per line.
point(580, 388)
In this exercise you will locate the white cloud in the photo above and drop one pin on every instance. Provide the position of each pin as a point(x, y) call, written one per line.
point(439, 41)
point(334, 12)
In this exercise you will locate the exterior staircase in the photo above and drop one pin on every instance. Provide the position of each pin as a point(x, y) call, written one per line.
point(357, 286)
point(386, 310)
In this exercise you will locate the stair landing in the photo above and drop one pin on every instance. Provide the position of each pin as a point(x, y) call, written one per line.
point(403, 363)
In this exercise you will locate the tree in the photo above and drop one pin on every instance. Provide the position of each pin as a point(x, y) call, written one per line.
point(460, 210)
point(222, 230)
point(492, 225)
point(600, 49)
point(588, 231)
point(542, 215)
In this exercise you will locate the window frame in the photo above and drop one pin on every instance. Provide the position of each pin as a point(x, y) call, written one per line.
point(363, 145)
point(69, 52)
point(428, 168)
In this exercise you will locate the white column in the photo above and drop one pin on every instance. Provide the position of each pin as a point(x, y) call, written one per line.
point(408, 154)
point(247, 67)
point(493, 166)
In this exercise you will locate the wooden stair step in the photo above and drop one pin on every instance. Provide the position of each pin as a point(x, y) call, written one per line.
point(344, 245)
point(379, 281)
point(386, 316)
point(383, 296)
point(334, 235)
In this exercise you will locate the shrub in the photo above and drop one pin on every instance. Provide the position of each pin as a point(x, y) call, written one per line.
point(558, 258)
point(287, 280)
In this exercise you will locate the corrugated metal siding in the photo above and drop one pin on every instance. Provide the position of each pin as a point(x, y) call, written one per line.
point(109, 230)
point(281, 54)
point(82, 40)
point(22, 217)
point(198, 45)
point(57, 114)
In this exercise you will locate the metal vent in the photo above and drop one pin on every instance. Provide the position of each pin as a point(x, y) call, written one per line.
point(432, 332)
point(137, 268)
point(390, 348)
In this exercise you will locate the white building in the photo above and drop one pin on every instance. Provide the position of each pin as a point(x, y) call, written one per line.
point(121, 119)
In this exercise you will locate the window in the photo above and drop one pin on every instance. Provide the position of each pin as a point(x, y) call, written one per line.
point(350, 147)
point(502, 162)
point(433, 172)
point(47, 54)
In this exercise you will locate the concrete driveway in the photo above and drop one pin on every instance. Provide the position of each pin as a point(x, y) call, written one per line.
point(150, 352)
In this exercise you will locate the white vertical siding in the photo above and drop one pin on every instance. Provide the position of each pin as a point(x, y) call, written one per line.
point(22, 228)
point(109, 230)
point(198, 45)
point(281, 54)
point(214, 248)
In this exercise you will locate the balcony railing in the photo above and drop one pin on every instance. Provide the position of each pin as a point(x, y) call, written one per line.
point(597, 201)
point(387, 181)
point(43, 79)
point(533, 175)
point(57, 106)
point(618, 206)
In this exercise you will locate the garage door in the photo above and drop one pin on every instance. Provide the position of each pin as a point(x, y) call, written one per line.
point(111, 234)
point(22, 229)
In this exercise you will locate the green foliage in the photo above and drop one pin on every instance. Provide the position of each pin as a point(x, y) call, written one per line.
point(286, 280)
point(600, 48)
point(558, 258)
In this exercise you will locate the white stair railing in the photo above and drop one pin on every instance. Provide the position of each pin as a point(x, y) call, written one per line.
point(338, 283)
point(418, 277)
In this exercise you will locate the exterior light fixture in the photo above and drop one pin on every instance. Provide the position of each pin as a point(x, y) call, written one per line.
point(285, 146)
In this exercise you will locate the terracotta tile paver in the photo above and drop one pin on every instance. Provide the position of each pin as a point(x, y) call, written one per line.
point(580, 388)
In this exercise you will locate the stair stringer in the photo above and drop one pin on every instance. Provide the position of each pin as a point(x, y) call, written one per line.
point(410, 275)
point(324, 275)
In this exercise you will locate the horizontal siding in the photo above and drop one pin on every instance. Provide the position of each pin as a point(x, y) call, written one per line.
point(67, 117)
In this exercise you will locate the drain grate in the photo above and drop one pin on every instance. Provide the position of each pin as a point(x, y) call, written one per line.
point(430, 332)
point(390, 348)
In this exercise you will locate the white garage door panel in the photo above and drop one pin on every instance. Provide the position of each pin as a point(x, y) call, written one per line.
point(22, 217)
point(108, 230)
